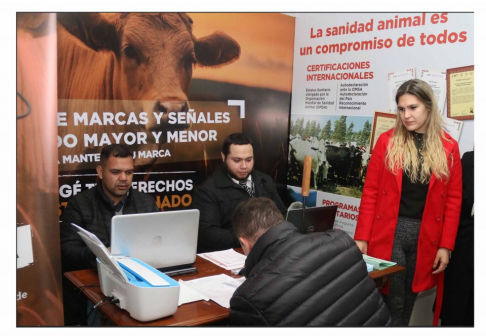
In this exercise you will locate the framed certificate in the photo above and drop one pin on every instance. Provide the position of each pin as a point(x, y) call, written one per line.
point(382, 122)
point(460, 93)
point(436, 78)
point(395, 80)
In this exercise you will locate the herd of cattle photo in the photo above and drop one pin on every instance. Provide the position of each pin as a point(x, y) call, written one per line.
point(340, 155)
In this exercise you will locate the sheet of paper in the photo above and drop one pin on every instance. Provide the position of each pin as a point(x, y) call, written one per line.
point(188, 294)
point(453, 127)
point(219, 288)
point(25, 254)
point(97, 247)
point(89, 234)
point(395, 79)
point(436, 78)
point(227, 259)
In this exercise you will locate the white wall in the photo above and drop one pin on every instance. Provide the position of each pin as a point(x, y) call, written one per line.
point(311, 32)
point(383, 61)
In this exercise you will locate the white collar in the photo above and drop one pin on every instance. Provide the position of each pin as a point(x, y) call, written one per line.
point(248, 180)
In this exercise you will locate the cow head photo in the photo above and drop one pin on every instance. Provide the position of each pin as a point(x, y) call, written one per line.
point(146, 57)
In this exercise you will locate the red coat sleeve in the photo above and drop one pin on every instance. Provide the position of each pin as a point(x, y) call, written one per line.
point(369, 197)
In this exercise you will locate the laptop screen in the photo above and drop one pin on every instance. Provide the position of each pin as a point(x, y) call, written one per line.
point(316, 219)
point(160, 239)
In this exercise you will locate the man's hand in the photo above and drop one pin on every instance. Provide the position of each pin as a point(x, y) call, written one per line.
point(441, 260)
point(363, 246)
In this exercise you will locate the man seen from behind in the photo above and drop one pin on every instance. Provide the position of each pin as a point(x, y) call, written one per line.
point(293, 279)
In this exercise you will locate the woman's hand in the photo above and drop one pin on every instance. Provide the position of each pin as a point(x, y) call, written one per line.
point(441, 260)
point(363, 246)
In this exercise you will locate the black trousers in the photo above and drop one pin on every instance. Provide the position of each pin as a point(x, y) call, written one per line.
point(458, 303)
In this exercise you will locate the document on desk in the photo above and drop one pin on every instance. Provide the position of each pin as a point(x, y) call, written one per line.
point(219, 288)
point(188, 294)
point(227, 259)
point(378, 264)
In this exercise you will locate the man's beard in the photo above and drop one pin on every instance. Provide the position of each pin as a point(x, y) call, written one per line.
point(230, 173)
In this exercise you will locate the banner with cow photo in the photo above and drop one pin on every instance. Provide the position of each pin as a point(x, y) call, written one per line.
point(339, 146)
point(171, 86)
point(348, 66)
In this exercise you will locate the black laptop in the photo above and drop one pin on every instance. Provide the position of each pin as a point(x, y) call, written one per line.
point(316, 219)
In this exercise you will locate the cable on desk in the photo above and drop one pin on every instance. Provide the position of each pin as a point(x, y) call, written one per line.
point(108, 300)
point(80, 290)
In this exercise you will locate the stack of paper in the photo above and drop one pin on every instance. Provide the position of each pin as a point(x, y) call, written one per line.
point(228, 259)
point(218, 288)
point(378, 264)
point(99, 249)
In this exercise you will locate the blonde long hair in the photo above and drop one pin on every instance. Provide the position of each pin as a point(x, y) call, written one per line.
point(402, 152)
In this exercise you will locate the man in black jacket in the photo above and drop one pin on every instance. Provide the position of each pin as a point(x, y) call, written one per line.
point(232, 183)
point(93, 210)
point(458, 305)
point(318, 279)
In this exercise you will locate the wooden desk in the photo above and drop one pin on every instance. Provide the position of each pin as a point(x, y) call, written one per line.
point(382, 277)
point(191, 314)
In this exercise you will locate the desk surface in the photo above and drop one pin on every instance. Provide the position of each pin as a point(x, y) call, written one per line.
point(191, 314)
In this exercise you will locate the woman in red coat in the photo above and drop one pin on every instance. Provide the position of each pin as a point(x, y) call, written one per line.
point(411, 201)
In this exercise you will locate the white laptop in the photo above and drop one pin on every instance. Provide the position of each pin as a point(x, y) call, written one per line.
point(164, 240)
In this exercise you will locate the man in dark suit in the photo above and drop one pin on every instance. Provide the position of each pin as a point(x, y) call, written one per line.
point(231, 184)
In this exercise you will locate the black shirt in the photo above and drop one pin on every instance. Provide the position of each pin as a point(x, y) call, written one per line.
point(414, 195)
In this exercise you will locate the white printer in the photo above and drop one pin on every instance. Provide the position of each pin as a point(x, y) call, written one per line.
point(146, 293)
